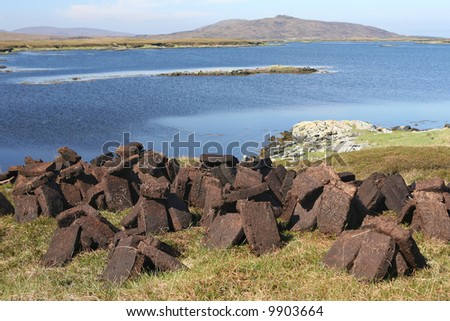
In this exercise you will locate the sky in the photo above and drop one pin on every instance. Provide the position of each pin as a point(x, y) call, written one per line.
point(407, 17)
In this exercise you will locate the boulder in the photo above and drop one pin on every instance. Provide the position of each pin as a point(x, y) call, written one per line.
point(84, 183)
point(69, 155)
point(64, 245)
point(26, 185)
point(50, 199)
point(370, 193)
point(225, 231)
point(71, 172)
point(102, 159)
point(247, 178)
point(305, 188)
point(396, 192)
point(259, 225)
point(304, 218)
point(157, 190)
point(431, 185)
point(124, 261)
point(6, 207)
point(337, 210)
point(95, 234)
point(71, 193)
point(381, 248)
point(133, 254)
point(153, 163)
point(214, 160)
point(124, 168)
point(287, 183)
point(130, 221)
point(434, 219)
point(213, 200)
point(323, 173)
point(246, 193)
point(36, 169)
point(95, 197)
point(181, 185)
point(197, 195)
point(179, 214)
point(153, 217)
point(172, 169)
point(345, 250)
point(225, 174)
point(374, 257)
point(117, 193)
point(274, 182)
point(129, 149)
point(160, 260)
point(26, 208)
point(403, 237)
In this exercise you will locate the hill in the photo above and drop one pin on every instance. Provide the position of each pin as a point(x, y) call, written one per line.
point(11, 36)
point(70, 32)
point(283, 28)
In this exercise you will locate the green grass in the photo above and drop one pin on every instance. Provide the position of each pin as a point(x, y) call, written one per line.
point(399, 138)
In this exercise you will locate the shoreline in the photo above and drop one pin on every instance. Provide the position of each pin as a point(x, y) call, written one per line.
point(320, 139)
point(121, 44)
point(11, 46)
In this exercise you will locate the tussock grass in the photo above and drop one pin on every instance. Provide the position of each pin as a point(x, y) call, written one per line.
point(413, 163)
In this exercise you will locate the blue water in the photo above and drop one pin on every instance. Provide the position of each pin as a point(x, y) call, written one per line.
point(42, 107)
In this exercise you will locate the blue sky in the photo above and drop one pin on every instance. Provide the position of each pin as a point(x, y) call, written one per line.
point(413, 17)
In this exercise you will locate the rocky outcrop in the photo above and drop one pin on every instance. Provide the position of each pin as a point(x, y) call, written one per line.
point(322, 136)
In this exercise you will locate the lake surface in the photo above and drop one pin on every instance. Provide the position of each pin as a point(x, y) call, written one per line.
point(84, 99)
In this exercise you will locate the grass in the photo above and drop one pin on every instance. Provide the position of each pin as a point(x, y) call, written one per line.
point(117, 43)
point(399, 138)
point(413, 163)
point(293, 273)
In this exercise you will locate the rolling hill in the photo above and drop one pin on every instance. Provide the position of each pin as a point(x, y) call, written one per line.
point(282, 28)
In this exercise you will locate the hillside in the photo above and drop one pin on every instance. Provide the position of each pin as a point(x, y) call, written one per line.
point(283, 28)
point(70, 32)
point(11, 36)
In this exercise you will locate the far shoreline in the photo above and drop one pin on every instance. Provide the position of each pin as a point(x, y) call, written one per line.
point(122, 44)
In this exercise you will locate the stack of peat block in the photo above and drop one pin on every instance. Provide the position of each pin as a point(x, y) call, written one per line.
point(249, 201)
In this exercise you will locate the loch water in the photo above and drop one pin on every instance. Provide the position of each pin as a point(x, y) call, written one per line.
point(84, 99)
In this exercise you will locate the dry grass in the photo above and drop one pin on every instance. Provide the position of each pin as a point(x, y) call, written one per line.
point(292, 273)
point(413, 163)
point(117, 43)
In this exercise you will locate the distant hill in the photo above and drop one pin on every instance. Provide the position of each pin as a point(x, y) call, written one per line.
point(282, 28)
point(11, 36)
point(70, 32)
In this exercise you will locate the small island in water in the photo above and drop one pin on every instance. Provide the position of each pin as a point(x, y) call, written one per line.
point(277, 69)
